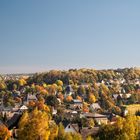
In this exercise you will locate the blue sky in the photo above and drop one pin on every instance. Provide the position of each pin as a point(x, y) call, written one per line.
point(39, 35)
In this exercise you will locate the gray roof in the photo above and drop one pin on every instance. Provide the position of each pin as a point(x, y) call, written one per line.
point(76, 101)
point(94, 115)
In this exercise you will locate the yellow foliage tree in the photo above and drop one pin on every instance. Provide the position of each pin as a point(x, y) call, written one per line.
point(53, 131)
point(92, 98)
point(2, 85)
point(59, 83)
point(34, 126)
point(22, 82)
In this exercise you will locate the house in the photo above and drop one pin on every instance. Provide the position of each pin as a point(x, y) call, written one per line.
point(54, 111)
point(94, 106)
point(128, 95)
point(70, 114)
point(116, 96)
point(22, 109)
point(76, 104)
point(8, 111)
point(99, 118)
point(70, 127)
point(69, 90)
point(73, 128)
point(30, 97)
point(19, 109)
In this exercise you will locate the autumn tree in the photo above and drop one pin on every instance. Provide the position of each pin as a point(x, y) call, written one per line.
point(53, 131)
point(89, 138)
point(92, 98)
point(52, 89)
point(2, 85)
point(69, 98)
point(78, 98)
point(68, 136)
point(61, 132)
point(76, 136)
point(91, 123)
point(59, 83)
point(123, 129)
point(22, 82)
point(61, 96)
point(4, 132)
point(34, 126)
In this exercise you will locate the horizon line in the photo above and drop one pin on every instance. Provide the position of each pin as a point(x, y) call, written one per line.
point(63, 69)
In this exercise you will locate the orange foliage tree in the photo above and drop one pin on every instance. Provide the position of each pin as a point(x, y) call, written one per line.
point(4, 132)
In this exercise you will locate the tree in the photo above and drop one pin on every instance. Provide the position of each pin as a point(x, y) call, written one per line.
point(4, 132)
point(14, 86)
point(91, 123)
point(124, 129)
point(79, 98)
point(104, 88)
point(137, 113)
point(51, 100)
point(52, 89)
point(22, 82)
point(92, 98)
point(34, 126)
point(53, 131)
point(68, 136)
point(69, 98)
point(89, 138)
point(2, 85)
point(61, 132)
point(76, 136)
point(85, 107)
point(61, 96)
point(59, 83)
point(81, 90)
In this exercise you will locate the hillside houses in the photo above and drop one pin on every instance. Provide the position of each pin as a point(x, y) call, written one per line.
point(82, 103)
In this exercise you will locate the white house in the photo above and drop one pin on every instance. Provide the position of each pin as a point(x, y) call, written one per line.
point(95, 106)
point(74, 128)
point(23, 107)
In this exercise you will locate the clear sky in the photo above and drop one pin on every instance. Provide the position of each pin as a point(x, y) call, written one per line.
point(38, 35)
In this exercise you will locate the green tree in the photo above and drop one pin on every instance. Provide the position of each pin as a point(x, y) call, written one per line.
point(51, 100)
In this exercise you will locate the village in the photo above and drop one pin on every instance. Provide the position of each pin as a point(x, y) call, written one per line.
point(80, 107)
